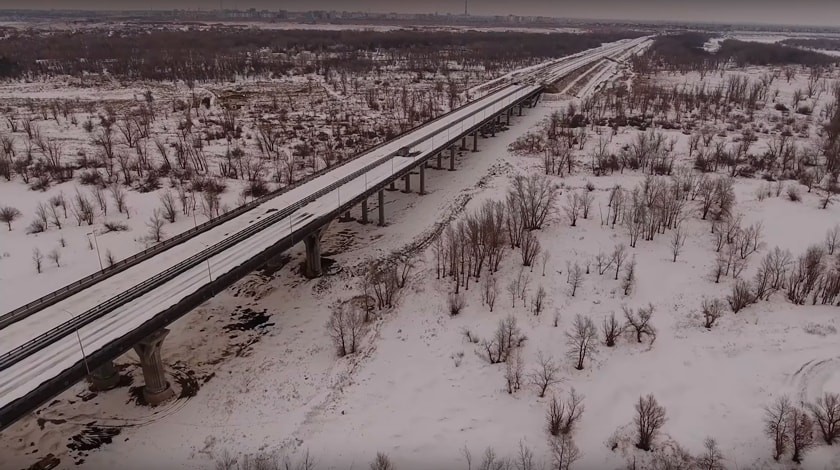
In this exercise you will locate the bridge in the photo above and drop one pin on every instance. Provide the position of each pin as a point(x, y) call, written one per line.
point(49, 344)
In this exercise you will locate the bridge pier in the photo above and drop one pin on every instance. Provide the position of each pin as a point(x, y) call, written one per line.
point(364, 211)
point(345, 217)
point(407, 179)
point(520, 109)
point(464, 143)
point(312, 267)
point(475, 141)
point(381, 208)
point(422, 180)
point(156, 389)
point(439, 157)
point(105, 377)
point(392, 186)
point(451, 158)
point(507, 116)
point(493, 124)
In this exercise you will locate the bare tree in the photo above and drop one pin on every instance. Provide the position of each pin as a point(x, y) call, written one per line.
point(168, 203)
point(581, 340)
point(801, 432)
point(345, 327)
point(575, 278)
point(564, 452)
point(618, 257)
point(456, 303)
point(118, 194)
point(712, 310)
point(677, 241)
point(514, 367)
point(37, 258)
point(562, 415)
point(832, 239)
point(538, 302)
point(826, 412)
point(639, 321)
point(8, 215)
point(573, 207)
point(650, 417)
point(155, 225)
point(546, 374)
point(612, 330)
point(489, 291)
point(629, 279)
point(776, 423)
point(55, 257)
point(529, 248)
point(711, 458)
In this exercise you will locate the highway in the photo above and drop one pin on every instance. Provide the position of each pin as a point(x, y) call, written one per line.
point(103, 318)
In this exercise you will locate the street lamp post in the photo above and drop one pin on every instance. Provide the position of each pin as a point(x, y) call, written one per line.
point(96, 242)
point(79, 338)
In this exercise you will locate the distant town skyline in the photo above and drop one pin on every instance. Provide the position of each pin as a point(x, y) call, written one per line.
point(793, 12)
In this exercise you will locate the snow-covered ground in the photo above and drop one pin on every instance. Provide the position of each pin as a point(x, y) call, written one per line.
point(420, 392)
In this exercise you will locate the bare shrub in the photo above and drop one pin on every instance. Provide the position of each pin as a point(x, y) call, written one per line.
point(538, 302)
point(456, 302)
point(776, 425)
point(826, 412)
point(545, 374)
point(114, 226)
point(650, 417)
point(345, 327)
point(168, 204)
point(639, 322)
point(712, 310)
point(38, 259)
point(382, 462)
point(8, 215)
point(489, 291)
point(55, 256)
point(832, 238)
point(581, 340)
point(793, 193)
point(508, 336)
point(628, 281)
point(118, 194)
point(741, 297)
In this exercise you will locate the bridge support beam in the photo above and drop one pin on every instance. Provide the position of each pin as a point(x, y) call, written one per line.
point(392, 186)
point(407, 179)
point(493, 125)
point(475, 141)
point(451, 158)
point(365, 211)
point(345, 217)
point(156, 389)
point(312, 267)
point(381, 208)
point(104, 378)
point(520, 109)
point(439, 157)
point(422, 180)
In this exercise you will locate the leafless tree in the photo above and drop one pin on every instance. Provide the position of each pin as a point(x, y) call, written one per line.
point(801, 432)
point(711, 458)
point(826, 412)
point(489, 291)
point(38, 259)
point(618, 257)
point(650, 417)
point(639, 322)
point(82, 209)
point(832, 239)
point(741, 297)
point(776, 423)
point(508, 337)
point(612, 330)
point(155, 225)
point(575, 278)
point(545, 374)
point(534, 197)
point(8, 215)
point(456, 303)
point(562, 415)
point(573, 207)
point(628, 281)
point(529, 248)
point(677, 241)
point(168, 203)
point(118, 193)
point(712, 310)
point(55, 256)
point(544, 257)
point(345, 328)
point(564, 452)
point(514, 367)
point(109, 258)
point(581, 340)
point(538, 302)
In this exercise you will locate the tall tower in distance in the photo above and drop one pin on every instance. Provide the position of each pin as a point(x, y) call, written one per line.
point(466, 6)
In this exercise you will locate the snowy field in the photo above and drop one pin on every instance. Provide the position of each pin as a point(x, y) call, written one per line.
point(257, 373)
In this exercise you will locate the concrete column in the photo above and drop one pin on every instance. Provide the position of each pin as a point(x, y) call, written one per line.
point(507, 116)
point(493, 126)
point(392, 186)
point(439, 156)
point(105, 377)
point(345, 217)
point(365, 210)
point(156, 389)
point(407, 179)
point(475, 141)
point(451, 158)
point(312, 266)
point(381, 208)
point(520, 110)
point(422, 180)
point(464, 143)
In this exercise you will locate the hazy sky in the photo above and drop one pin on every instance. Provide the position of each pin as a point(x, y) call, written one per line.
point(809, 12)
